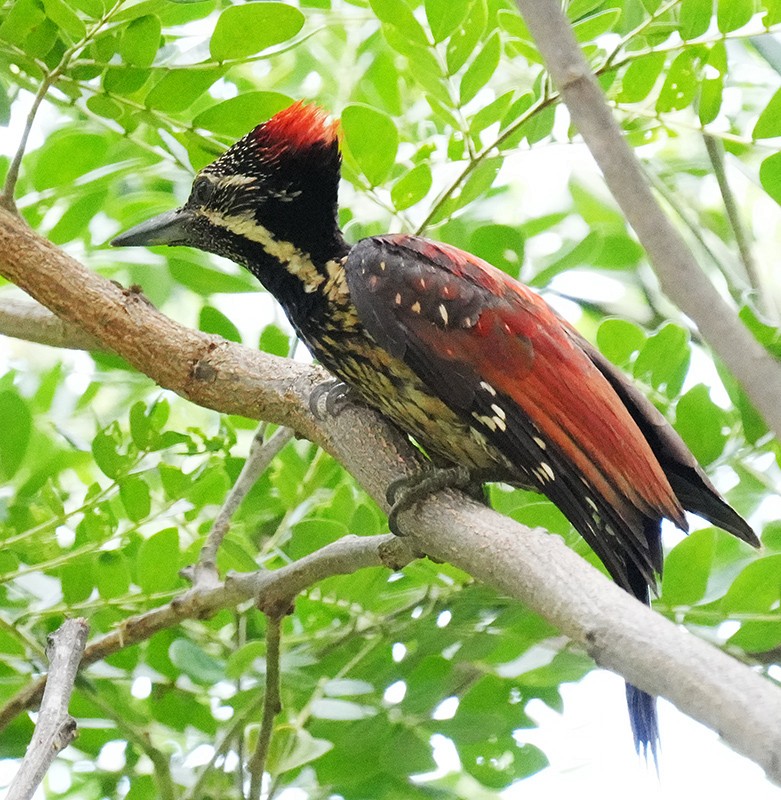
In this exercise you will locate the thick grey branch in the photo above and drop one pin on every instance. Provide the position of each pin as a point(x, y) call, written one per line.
point(529, 565)
point(55, 728)
point(679, 274)
point(25, 319)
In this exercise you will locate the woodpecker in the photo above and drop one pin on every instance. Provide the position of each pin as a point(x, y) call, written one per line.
point(472, 364)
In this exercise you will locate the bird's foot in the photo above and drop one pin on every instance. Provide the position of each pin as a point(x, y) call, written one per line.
point(403, 493)
point(330, 398)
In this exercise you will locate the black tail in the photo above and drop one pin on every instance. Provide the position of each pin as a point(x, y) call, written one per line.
point(641, 705)
point(645, 725)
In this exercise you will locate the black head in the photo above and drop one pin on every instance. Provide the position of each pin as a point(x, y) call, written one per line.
point(270, 197)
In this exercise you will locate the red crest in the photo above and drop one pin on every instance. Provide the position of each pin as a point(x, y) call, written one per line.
point(298, 128)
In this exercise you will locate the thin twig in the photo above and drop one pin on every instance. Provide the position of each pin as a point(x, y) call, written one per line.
point(473, 163)
point(735, 284)
point(238, 723)
point(55, 728)
point(160, 761)
point(12, 176)
point(344, 556)
point(272, 705)
point(260, 456)
point(716, 155)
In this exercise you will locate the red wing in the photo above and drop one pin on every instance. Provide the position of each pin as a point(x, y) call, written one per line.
point(496, 352)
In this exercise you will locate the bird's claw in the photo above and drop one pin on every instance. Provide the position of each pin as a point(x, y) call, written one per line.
point(404, 492)
point(330, 398)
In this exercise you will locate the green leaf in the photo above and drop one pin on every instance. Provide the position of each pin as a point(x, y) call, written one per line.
point(618, 251)
point(481, 69)
point(398, 14)
point(479, 182)
point(145, 427)
point(734, 14)
point(274, 340)
point(769, 336)
point(66, 156)
point(499, 761)
point(574, 256)
point(140, 41)
point(687, 569)
point(244, 30)
point(514, 24)
point(597, 212)
point(756, 589)
point(112, 575)
point(66, 19)
point(92, 8)
point(178, 89)
point(157, 563)
point(311, 534)
point(206, 281)
point(464, 40)
point(769, 123)
point(701, 424)
point(105, 449)
point(406, 751)
point(640, 77)
point(770, 176)
point(213, 321)
point(123, 80)
point(619, 340)
point(664, 359)
point(445, 16)
point(240, 114)
point(500, 245)
point(209, 487)
point(190, 659)
point(576, 9)
point(757, 636)
point(77, 216)
point(175, 482)
point(490, 114)
point(372, 139)
point(713, 85)
point(23, 17)
point(134, 493)
point(15, 437)
point(292, 748)
point(5, 109)
point(681, 83)
point(484, 710)
point(241, 661)
point(772, 16)
point(76, 580)
point(411, 187)
point(694, 18)
point(589, 28)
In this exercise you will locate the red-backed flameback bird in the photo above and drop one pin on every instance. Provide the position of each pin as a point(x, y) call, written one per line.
point(484, 375)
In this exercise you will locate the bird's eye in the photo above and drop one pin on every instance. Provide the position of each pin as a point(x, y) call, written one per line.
point(202, 192)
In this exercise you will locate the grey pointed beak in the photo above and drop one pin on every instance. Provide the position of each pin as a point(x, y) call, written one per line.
point(172, 227)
